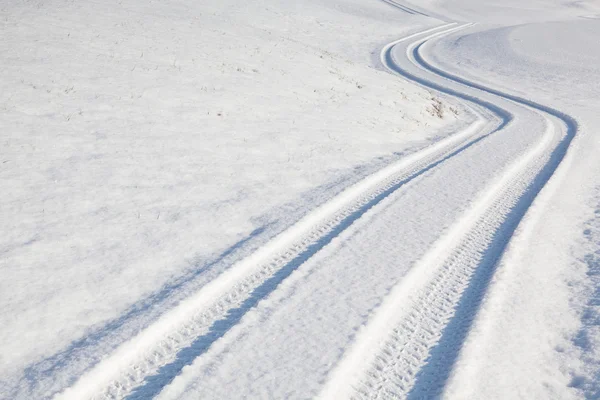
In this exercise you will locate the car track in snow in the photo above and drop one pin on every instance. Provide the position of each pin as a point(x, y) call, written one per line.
point(416, 333)
point(155, 356)
point(420, 327)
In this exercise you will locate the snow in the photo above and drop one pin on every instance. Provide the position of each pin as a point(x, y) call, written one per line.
point(141, 141)
point(258, 199)
point(550, 338)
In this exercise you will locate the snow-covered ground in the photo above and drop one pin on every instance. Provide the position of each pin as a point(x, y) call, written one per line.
point(538, 335)
point(274, 199)
point(146, 147)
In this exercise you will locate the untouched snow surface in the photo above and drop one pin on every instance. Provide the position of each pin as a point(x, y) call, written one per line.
point(317, 199)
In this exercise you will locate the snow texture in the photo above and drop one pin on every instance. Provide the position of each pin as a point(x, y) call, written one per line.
point(317, 199)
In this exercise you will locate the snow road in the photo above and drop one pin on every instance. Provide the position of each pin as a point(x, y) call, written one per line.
point(351, 276)
point(389, 288)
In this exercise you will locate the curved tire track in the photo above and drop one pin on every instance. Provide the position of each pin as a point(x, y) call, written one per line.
point(410, 346)
point(404, 8)
point(140, 367)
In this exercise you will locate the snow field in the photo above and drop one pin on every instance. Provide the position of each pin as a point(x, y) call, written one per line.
point(147, 147)
point(223, 200)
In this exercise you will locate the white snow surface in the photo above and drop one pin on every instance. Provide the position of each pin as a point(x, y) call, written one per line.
point(142, 141)
point(538, 333)
point(318, 199)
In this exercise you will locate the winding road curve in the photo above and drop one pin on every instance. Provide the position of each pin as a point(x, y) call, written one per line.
point(427, 232)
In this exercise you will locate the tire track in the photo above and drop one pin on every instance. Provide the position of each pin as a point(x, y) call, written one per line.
point(414, 11)
point(410, 346)
point(404, 8)
point(142, 366)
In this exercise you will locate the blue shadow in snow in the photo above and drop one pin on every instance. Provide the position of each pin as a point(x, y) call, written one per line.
point(590, 319)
